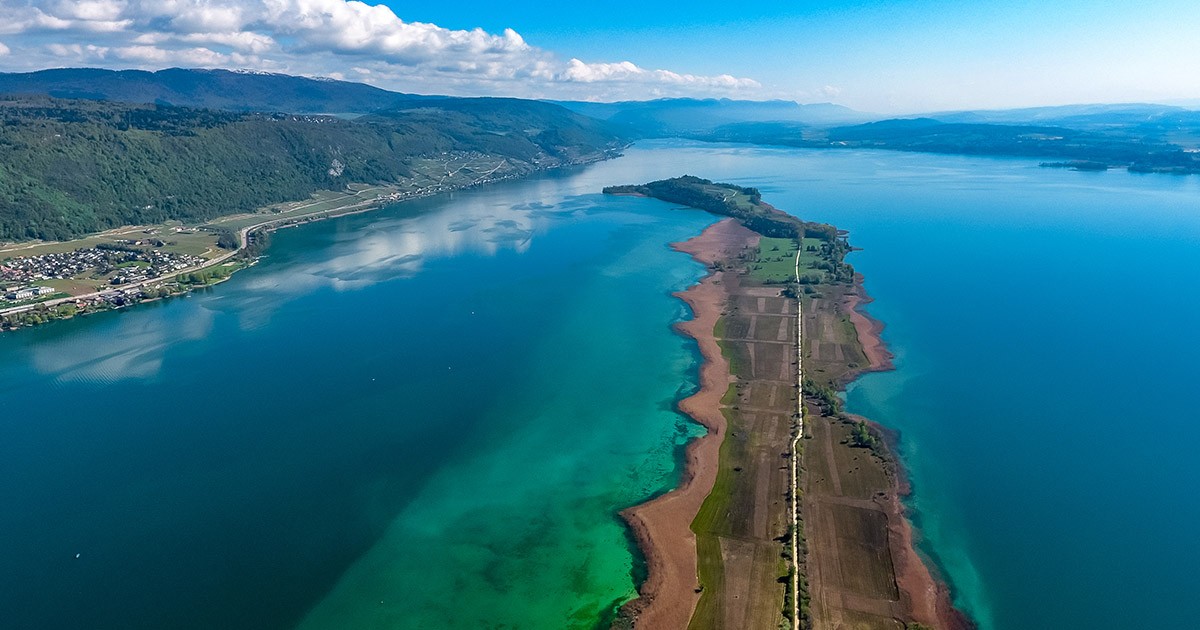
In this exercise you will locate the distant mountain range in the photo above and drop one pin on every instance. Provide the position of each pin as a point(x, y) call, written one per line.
point(235, 90)
point(1159, 145)
point(268, 92)
point(213, 89)
point(690, 117)
point(1073, 115)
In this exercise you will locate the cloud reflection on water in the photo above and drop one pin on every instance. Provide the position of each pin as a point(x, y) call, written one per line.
point(397, 247)
point(128, 347)
point(368, 249)
point(361, 251)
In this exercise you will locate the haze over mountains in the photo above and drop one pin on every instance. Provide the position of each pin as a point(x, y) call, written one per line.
point(1136, 120)
point(688, 116)
point(271, 92)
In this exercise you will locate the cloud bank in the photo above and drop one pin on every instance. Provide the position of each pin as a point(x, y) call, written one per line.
point(342, 39)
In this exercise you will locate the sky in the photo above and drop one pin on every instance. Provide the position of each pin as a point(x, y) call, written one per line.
point(891, 57)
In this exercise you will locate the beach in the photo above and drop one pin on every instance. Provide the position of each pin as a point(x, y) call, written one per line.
point(869, 330)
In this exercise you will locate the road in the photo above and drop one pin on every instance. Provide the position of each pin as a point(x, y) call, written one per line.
point(796, 448)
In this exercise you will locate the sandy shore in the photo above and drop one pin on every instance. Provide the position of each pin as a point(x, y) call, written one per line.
point(926, 597)
point(869, 329)
point(663, 525)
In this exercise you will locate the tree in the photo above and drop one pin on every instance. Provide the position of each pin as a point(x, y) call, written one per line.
point(862, 437)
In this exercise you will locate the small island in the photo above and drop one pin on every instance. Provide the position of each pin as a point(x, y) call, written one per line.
point(788, 502)
point(1078, 165)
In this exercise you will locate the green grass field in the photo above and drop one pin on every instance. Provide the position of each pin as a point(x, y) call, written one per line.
point(74, 286)
point(742, 200)
point(775, 261)
point(322, 202)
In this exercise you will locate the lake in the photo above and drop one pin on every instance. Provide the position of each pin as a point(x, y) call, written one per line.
point(429, 416)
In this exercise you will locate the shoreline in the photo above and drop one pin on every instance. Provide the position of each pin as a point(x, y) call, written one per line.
point(662, 526)
point(870, 332)
point(927, 593)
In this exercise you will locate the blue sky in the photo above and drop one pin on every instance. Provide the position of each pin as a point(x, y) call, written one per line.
point(889, 57)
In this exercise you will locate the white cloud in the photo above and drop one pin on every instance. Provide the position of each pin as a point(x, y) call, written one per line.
point(327, 38)
point(90, 10)
point(188, 56)
point(242, 40)
point(4, 49)
point(626, 71)
point(88, 53)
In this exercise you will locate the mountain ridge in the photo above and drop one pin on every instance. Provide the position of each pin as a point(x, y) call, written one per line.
point(238, 90)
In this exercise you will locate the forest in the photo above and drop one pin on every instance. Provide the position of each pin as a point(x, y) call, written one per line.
point(73, 167)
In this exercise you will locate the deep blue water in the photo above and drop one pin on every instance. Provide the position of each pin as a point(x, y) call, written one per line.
point(420, 416)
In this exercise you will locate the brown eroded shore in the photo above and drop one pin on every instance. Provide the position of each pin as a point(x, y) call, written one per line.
point(662, 525)
point(926, 596)
point(869, 330)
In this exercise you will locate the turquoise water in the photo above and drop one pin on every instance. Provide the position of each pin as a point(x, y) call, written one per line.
point(429, 416)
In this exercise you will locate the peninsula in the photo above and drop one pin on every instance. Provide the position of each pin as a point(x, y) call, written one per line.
point(789, 511)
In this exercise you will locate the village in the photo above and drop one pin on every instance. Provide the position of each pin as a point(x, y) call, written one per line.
point(115, 264)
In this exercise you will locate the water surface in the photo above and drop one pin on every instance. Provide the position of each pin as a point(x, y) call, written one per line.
point(423, 417)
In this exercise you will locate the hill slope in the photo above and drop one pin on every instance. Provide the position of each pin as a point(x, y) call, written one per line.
point(70, 167)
